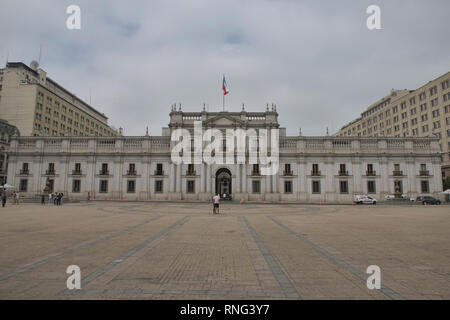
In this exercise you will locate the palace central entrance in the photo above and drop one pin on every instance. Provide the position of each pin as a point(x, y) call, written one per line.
point(223, 183)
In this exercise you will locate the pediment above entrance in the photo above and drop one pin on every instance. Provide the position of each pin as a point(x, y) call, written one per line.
point(224, 120)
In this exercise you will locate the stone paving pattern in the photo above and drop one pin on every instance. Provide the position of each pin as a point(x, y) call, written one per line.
point(164, 250)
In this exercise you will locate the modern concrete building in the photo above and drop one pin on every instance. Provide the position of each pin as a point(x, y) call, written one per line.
point(39, 106)
point(423, 112)
point(6, 132)
point(312, 169)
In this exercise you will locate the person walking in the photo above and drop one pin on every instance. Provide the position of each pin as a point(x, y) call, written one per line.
point(50, 197)
point(216, 199)
point(43, 199)
point(4, 197)
point(17, 198)
point(60, 200)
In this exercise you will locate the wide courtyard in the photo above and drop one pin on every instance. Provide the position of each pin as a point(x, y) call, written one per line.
point(162, 250)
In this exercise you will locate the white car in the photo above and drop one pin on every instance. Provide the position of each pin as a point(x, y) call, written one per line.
point(404, 196)
point(364, 199)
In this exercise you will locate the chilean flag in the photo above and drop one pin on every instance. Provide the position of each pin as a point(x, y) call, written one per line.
point(224, 86)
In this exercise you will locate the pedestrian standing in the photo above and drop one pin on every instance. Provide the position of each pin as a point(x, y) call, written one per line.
point(216, 199)
point(17, 198)
point(43, 199)
point(60, 200)
point(4, 197)
point(50, 197)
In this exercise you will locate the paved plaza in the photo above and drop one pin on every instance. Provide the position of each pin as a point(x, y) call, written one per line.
point(157, 250)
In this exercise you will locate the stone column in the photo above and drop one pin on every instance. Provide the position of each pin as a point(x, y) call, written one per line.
point(238, 178)
point(268, 189)
point(208, 178)
point(172, 178)
point(178, 184)
point(202, 177)
point(244, 177)
point(275, 183)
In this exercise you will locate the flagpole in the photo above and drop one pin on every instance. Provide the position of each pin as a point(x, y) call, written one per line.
point(223, 102)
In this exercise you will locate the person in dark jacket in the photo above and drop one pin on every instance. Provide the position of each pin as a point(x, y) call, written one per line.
point(4, 197)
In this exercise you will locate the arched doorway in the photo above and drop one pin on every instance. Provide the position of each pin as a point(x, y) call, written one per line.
point(223, 183)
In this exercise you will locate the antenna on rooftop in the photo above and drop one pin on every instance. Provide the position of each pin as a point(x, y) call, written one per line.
point(40, 54)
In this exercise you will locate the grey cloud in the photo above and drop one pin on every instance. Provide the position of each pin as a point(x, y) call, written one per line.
point(315, 59)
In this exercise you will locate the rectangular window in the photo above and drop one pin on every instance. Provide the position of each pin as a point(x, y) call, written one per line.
point(159, 169)
point(158, 186)
point(25, 168)
point(104, 169)
point(424, 186)
point(76, 186)
point(288, 187)
point(190, 186)
point(256, 187)
point(371, 187)
point(77, 167)
point(103, 186)
point(315, 170)
point(23, 186)
point(131, 169)
point(287, 169)
point(343, 186)
point(255, 170)
point(370, 171)
point(316, 187)
point(131, 186)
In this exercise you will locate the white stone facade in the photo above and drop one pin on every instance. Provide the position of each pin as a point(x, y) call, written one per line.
point(343, 166)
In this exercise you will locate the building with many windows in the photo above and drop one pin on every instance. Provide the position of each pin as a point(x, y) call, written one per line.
point(423, 112)
point(39, 106)
point(6, 132)
point(311, 169)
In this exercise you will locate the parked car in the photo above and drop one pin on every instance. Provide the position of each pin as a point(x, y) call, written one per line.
point(403, 196)
point(364, 199)
point(428, 200)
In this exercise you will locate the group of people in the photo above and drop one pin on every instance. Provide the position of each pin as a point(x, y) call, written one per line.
point(4, 196)
point(55, 197)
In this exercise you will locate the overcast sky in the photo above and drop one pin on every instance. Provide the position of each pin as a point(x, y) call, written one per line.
point(315, 59)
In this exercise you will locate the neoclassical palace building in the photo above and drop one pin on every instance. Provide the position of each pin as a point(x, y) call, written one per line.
point(311, 169)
